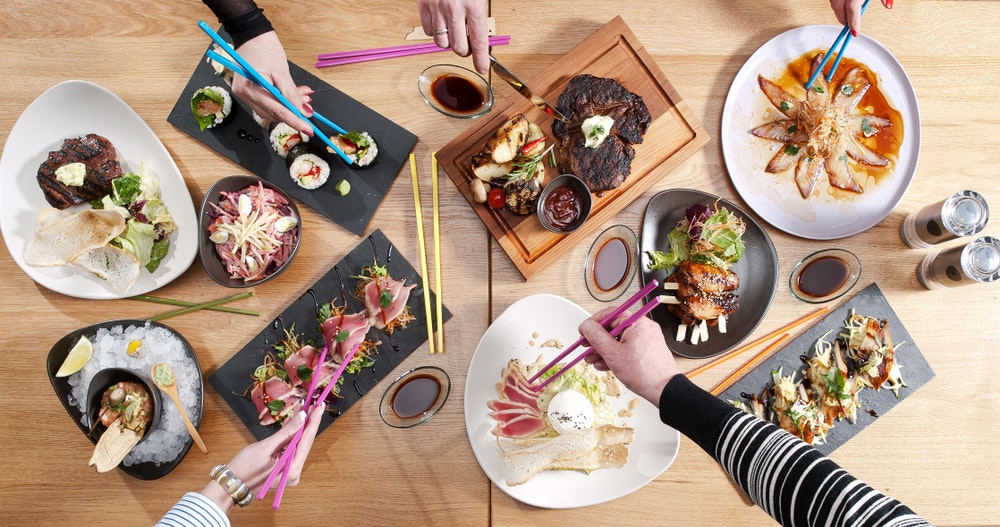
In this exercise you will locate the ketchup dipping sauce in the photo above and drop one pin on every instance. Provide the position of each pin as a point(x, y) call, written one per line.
point(564, 204)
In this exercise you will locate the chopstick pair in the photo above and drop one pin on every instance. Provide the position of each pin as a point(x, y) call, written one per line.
point(643, 311)
point(285, 461)
point(764, 353)
point(845, 35)
point(423, 253)
point(324, 60)
point(243, 68)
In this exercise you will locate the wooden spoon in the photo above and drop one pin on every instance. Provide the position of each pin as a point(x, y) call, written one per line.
point(163, 376)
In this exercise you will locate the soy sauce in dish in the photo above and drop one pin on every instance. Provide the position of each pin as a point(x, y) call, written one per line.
point(823, 276)
point(611, 264)
point(415, 396)
point(562, 208)
point(457, 93)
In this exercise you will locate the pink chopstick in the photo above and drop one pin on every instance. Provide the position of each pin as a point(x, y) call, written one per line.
point(365, 55)
point(614, 333)
point(607, 320)
point(286, 458)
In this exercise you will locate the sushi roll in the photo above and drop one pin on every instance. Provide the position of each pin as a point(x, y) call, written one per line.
point(358, 146)
point(307, 167)
point(283, 137)
point(261, 121)
point(211, 106)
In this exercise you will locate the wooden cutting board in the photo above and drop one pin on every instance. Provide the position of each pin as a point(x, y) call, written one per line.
point(674, 135)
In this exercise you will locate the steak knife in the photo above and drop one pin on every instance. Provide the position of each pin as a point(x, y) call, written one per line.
point(524, 90)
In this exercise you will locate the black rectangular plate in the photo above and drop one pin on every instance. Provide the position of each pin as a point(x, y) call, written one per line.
point(368, 186)
point(233, 379)
point(869, 302)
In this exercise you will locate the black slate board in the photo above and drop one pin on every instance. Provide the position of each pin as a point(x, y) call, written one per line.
point(233, 379)
point(870, 302)
point(368, 186)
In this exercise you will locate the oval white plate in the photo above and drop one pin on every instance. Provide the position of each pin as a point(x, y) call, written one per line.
point(73, 109)
point(819, 217)
point(510, 337)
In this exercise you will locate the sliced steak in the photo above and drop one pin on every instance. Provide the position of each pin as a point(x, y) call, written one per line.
point(607, 166)
point(101, 161)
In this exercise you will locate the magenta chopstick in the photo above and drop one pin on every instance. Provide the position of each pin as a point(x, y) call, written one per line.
point(286, 458)
point(365, 55)
point(614, 333)
point(607, 320)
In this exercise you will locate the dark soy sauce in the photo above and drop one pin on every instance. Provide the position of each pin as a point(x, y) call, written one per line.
point(457, 93)
point(415, 396)
point(611, 264)
point(823, 276)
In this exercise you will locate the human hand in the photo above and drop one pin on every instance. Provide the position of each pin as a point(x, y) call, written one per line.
point(639, 357)
point(460, 25)
point(255, 462)
point(267, 56)
point(849, 12)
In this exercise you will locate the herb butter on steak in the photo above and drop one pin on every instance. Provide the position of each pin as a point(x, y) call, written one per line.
point(606, 166)
point(102, 166)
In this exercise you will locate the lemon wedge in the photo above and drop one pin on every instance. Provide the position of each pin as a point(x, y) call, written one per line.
point(77, 358)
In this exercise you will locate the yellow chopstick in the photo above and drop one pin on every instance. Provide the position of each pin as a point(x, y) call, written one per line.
point(791, 325)
point(437, 253)
point(764, 353)
point(423, 251)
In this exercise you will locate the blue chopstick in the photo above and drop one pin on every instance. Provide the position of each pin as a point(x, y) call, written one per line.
point(845, 35)
point(252, 74)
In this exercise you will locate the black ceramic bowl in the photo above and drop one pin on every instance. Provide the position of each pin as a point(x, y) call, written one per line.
point(206, 247)
point(586, 202)
point(106, 378)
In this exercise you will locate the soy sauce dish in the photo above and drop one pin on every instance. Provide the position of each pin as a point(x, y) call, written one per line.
point(414, 397)
point(455, 91)
point(824, 275)
point(612, 263)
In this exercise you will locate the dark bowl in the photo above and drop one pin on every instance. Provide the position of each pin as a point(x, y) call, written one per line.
point(106, 378)
point(586, 202)
point(206, 247)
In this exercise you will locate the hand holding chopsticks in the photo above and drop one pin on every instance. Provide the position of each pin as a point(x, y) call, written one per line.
point(845, 35)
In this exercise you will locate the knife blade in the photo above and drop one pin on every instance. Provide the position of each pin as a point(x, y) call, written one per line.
point(524, 90)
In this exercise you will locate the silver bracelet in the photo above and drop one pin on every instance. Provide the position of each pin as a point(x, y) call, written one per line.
point(233, 485)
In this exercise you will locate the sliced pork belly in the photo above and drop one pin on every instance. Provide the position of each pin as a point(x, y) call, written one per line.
point(275, 389)
point(356, 327)
point(385, 299)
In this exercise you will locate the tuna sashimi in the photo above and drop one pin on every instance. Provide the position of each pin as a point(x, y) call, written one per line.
point(301, 366)
point(521, 426)
point(343, 332)
point(385, 300)
point(275, 400)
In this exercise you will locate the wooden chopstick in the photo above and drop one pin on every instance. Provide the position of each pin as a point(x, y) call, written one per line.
point(845, 35)
point(643, 311)
point(439, 310)
point(764, 353)
point(787, 327)
point(607, 320)
point(185, 303)
point(423, 251)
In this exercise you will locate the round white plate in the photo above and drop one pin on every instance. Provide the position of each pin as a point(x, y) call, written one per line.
point(510, 337)
point(820, 217)
point(73, 109)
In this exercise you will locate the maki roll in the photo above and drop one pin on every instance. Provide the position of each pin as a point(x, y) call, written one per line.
point(306, 166)
point(358, 146)
point(283, 137)
point(211, 106)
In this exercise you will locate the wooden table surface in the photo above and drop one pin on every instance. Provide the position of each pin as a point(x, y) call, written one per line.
point(936, 451)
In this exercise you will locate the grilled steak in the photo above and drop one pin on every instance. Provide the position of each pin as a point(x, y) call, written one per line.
point(607, 166)
point(101, 161)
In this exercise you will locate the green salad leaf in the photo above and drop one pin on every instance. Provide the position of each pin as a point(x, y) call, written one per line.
point(703, 236)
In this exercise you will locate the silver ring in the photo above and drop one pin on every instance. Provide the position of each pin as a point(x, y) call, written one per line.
point(440, 32)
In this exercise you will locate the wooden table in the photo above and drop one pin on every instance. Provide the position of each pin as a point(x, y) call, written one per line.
point(936, 452)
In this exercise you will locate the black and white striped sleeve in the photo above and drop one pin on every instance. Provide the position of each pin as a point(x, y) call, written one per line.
point(789, 479)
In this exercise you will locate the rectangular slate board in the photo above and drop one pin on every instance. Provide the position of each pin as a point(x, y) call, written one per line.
point(368, 186)
point(869, 302)
point(233, 379)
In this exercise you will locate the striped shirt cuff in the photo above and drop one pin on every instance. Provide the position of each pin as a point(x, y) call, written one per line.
point(194, 510)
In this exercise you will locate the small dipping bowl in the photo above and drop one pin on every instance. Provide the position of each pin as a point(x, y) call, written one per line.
point(414, 397)
point(206, 248)
point(103, 380)
point(564, 204)
point(824, 275)
point(612, 263)
point(455, 91)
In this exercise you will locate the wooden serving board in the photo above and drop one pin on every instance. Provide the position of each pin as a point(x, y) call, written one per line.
point(674, 135)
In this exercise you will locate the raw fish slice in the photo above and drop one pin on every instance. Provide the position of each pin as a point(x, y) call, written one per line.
point(780, 130)
point(304, 361)
point(521, 426)
point(818, 95)
point(499, 405)
point(374, 291)
point(807, 174)
point(274, 389)
point(513, 413)
point(863, 154)
point(785, 102)
point(356, 325)
point(840, 172)
point(847, 99)
point(782, 160)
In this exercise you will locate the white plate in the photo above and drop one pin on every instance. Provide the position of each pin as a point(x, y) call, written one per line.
point(73, 109)
point(510, 337)
point(819, 217)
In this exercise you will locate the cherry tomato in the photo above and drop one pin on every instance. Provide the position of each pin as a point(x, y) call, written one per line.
point(495, 198)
